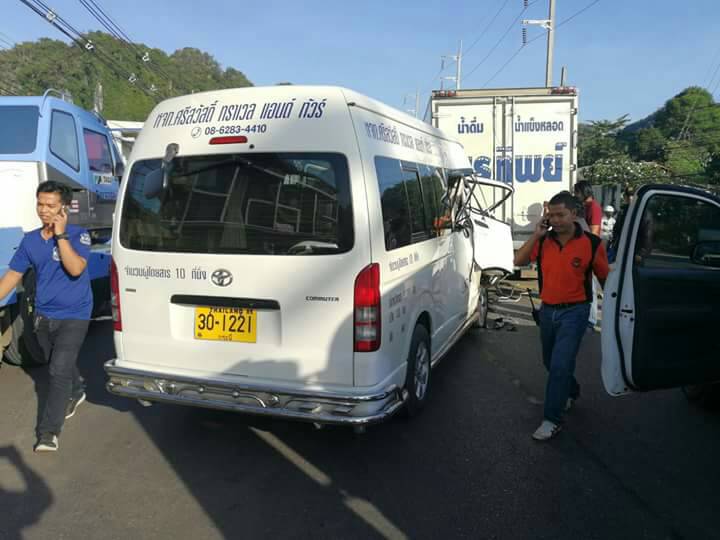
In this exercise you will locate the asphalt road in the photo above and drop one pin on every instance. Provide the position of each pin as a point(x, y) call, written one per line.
point(636, 467)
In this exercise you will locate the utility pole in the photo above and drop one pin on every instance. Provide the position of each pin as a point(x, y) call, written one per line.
point(458, 67)
point(549, 25)
point(98, 101)
point(416, 111)
point(458, 72)
point(550, 45)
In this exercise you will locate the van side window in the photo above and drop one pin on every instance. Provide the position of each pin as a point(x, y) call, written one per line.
point(63, 139)
point(433, 190)
point(394, 201)
point(419, 229)
point(98, 152)
point(678, 233)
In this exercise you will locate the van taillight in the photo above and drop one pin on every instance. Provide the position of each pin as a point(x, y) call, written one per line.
point(367, 309)
point(115, 297)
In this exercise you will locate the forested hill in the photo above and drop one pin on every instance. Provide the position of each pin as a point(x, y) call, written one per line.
point(30, 68)
point(680, 142)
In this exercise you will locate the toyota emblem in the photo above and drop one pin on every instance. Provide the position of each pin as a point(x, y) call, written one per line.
point(221, 277)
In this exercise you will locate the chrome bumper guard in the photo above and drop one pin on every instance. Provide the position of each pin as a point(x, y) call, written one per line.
point(304, 405)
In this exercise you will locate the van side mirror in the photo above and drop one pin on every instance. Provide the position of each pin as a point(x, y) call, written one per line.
point(158, 180)
point(119, 169)
point(706, 254)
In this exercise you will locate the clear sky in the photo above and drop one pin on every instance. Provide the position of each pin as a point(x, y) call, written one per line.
point(625, 56)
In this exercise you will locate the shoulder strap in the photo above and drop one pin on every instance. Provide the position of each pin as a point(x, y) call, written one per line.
point(539, 263)
point(594, 245)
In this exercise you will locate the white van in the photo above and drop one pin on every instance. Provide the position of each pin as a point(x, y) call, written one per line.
point(293, 251)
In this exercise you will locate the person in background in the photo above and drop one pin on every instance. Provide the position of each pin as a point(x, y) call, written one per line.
point(59, 253)
point(593, 213)
point(567, 257)
point(628, 197)
point(608, 223)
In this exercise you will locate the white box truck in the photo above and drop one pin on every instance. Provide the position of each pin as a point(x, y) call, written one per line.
point(526, 137)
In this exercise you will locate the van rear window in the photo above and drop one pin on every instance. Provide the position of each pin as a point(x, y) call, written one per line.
point(257, 204)
point(18, 129)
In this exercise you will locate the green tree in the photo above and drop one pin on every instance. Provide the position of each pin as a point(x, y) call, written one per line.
point(622, 170)
point(712, 170)
point(648, 144)
point(598, 140)
point(686, 160)
point(33, 67)
point(692, 111)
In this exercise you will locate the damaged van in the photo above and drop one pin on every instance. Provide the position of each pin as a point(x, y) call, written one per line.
point(299, 252)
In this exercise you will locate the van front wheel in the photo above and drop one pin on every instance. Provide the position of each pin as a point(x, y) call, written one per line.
point(417, 380)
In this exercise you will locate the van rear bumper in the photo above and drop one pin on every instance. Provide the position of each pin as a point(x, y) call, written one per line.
point(305, 405)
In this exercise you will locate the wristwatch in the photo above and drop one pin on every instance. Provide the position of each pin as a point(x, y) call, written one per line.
point(62, 236)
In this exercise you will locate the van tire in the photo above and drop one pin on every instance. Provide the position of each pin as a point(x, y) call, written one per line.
point(24, 349)
point(482, 309)
point(418, 376)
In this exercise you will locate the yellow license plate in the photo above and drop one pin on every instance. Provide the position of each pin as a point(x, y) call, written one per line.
point(226, 324)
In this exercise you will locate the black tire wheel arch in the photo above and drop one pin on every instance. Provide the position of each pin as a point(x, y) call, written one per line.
point(420, 341)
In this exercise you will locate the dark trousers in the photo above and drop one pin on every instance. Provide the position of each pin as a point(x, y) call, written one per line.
point(561, 332)
point(61, 341)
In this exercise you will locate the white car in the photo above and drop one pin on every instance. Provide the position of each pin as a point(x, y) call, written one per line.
point(296, 252)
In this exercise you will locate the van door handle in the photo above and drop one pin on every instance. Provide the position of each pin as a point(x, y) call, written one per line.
point(625, 310)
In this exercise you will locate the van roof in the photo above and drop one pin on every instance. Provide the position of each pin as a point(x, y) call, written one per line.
point(197, 113)
point(45, 103)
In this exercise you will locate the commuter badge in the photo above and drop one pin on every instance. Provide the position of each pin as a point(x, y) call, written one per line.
point(576, 262)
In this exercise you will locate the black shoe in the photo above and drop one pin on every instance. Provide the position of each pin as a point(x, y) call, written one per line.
point(47, 442)
point(73, 405)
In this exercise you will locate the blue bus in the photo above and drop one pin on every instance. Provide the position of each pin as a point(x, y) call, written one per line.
point(49, 138)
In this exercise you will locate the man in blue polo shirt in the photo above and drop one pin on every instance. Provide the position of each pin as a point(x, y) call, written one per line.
point(59, 253)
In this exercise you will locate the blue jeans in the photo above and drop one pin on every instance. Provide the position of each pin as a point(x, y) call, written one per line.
point(561, 332)
point(61, 341)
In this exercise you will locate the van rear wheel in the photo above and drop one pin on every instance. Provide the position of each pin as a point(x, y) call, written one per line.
point(417, 379)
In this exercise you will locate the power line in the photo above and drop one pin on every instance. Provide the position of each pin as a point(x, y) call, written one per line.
point(9, 89)
point(116, 31)
point(7, 37)
point(502, 38)
point(482, 34)
point(563, 22)
point(484, 30)
point(39, 7)
point(583, 10)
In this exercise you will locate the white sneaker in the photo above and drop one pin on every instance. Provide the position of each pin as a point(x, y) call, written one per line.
point(546, 431)
point(47, 442)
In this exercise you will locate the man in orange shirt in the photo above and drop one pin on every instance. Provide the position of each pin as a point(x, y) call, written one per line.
point(566, 257)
